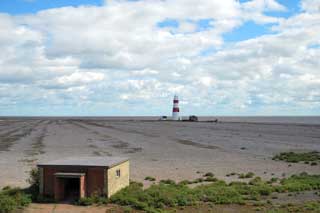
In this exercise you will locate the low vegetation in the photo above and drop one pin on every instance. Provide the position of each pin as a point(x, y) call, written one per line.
point(208, 174)
point(168, 194)
point(296, 183)
point(247, 175)
point(149, 178)
point(292, 157)
point(88, 201)
point(12, 199)
point(231, 174)
point(310, 206)
point(17, 198)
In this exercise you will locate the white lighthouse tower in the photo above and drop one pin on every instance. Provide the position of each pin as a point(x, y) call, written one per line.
point(175, 109)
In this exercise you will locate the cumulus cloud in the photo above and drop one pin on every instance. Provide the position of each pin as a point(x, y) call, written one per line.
point(75, 79)
point(311, 5)
point(116, 56)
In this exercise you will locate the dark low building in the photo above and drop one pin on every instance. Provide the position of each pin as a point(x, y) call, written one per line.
point(74, 178)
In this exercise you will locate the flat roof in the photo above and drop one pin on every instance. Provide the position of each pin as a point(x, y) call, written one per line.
point(86, 161)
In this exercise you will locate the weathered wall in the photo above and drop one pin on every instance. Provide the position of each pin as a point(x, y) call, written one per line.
point(94, 181)
point(115, 183)
point(48, 181)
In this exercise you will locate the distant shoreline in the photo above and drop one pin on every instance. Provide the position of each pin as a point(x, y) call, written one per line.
point(292, 120)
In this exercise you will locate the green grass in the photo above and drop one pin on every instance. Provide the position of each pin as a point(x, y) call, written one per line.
point(312, 206)
point(218, 193)
point(156, 197)
point(168, 194)
point(293, 157)
point(12, 199)
point(301, 182)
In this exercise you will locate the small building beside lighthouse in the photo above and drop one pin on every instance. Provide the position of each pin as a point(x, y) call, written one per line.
point(175, 109)
point(78, 177)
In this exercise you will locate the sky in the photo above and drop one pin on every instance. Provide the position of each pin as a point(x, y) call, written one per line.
point(129, 57)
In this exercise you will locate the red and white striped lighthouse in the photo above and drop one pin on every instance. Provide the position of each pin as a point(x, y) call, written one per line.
point(175, 109)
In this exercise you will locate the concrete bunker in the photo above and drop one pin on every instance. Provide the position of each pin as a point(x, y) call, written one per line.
point(73, 178)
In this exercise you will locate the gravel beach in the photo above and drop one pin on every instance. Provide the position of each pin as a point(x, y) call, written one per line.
point(162, 149)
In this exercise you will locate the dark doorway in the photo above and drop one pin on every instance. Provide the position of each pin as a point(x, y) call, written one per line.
point(71, 189)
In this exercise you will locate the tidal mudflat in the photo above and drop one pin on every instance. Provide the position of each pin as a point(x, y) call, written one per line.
point(161, 149)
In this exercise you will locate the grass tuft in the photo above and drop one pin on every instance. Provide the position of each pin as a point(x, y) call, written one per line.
point(149, 178)
point(248, 175)
point(292, 157)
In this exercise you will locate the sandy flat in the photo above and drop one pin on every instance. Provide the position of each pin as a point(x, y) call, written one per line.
point(163, 149)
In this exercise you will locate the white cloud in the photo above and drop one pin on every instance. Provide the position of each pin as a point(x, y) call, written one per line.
point(264, 5)
point(311, 6)
point(118, 56)
point(77, 79)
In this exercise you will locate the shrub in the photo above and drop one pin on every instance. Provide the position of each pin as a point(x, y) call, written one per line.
point(185, 182)
point(155, 197)
point(149, 178)
point(168, 181)
point(13, 198)
point(127, 209)
point(211, 179)
point(301, 182)
point(248, 175)
point(7, 204)
point(168, 194)
point(231, 174)
point(312, 206)
point(208, 174)
point(95, 199)
point(256, 181)
point(293, 157)
point(85, 201)
point(34, 177)
point(273, 180)
point(34, 181)
point(218, 193)
point(198, 180)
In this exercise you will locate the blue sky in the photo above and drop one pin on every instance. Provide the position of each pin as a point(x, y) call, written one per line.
point(247, 57)
point(32, 6)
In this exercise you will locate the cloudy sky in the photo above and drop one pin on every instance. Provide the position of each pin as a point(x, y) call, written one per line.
point(129, 57)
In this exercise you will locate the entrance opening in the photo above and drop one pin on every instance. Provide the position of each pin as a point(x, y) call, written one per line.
point(71, 189)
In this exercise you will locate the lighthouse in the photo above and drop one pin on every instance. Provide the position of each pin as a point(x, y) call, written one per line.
point(175, 109)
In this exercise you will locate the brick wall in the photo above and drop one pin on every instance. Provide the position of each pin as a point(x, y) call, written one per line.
point(97, 181)
point(94, 181)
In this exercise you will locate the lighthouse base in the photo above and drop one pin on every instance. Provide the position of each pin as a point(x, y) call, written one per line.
point(175, 116)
